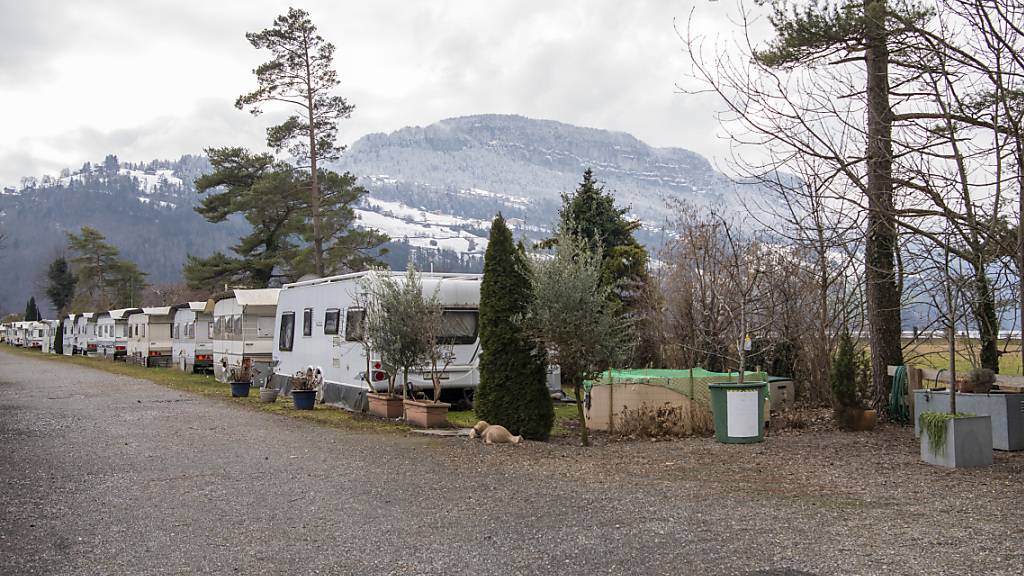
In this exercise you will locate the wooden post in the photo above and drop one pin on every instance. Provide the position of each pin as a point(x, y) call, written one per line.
point(611, 403)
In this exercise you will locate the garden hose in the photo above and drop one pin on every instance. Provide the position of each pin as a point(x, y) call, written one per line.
point(898, 411)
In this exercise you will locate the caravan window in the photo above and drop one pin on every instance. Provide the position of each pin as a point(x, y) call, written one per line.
point(355, 320)
point(307, 322)
point(264, 326)
point(287, 331)
point(459, 326)
point(331, 319)
point(238, 326)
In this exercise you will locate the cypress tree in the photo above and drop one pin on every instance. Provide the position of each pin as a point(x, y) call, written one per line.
point(513, 390)
point(32, 311)
point(58, 339)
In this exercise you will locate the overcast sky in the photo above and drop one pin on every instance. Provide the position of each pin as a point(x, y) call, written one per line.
point(157, 79)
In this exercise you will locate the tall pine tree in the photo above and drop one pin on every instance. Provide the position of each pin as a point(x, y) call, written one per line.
point(301, 74)
point(513, 390)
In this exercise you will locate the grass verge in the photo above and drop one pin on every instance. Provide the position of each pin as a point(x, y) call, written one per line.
point(209, 387)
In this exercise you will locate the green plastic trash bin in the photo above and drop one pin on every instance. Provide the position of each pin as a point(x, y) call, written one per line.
point(738, 410)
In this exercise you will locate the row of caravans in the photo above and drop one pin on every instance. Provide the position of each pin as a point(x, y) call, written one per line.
point(315, 326)
point(183, 335)
point(231, 330)
point(32, 334)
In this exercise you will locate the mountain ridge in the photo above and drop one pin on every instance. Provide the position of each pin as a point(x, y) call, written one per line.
point(433, 188)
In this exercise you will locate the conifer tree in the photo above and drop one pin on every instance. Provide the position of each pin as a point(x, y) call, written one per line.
point(32, 311)
point(513, 390)
point(104, 279)
point(61, 289)
point(300, 73)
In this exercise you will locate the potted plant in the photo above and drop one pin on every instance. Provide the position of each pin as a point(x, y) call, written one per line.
point(240, 378)
point(268, 392)
point(850, 378)
point(379, 296)
point(304, 388)
point(439, 350)
point(955, 439)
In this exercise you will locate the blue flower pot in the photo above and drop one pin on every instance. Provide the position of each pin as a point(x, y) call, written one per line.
point(304, 399)
point(239, 389)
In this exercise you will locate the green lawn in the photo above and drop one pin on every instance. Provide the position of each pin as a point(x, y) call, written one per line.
point(327, 415)
point(935, 354)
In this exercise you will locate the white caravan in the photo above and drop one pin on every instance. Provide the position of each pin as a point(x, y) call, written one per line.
point(320, 326)
point(69, 334)
point(112, 332)
point(243, 329)
point(192, 337)
point(51, 335)
point(149, 337)
point(35, 334)
point(85, 334)
point(15, 334)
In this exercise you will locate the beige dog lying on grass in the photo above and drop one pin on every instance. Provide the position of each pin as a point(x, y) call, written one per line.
point(494, 434)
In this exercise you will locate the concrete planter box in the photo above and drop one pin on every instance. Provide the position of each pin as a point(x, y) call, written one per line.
point(1006, 411)
point(426, 414)
point(385, 406)
point(968, 444)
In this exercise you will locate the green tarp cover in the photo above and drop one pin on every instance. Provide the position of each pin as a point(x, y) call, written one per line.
point(692, 383)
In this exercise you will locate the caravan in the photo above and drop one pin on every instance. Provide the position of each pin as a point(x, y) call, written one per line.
point(69, 334)
point(112, 332)
point(85, 334)
point(35, 334)
point(320, 326)
point(243, 329)
point(51, 334)
point(149, 337)
point(192, 337)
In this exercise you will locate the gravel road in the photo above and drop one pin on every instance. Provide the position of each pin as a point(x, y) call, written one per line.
point(103, 474)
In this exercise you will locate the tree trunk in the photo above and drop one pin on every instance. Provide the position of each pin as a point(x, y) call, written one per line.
point(314, 198)
point(578, 391)
point(314, 188)
point(985, 315)
point(883, 295)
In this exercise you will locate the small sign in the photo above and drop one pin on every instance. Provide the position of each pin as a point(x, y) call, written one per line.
point(741, 412)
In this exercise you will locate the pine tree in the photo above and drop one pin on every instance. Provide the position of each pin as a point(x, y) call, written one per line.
point(32, 311)
point(104, 279)
point(513, 390)
point(61, 290)
point(300, 74)
point(270, 198)
point(590, 214)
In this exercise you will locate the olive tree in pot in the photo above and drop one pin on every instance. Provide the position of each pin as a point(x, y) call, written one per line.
point(392, 332)
point(850, 378)
point(439, 353)
point(379, 294)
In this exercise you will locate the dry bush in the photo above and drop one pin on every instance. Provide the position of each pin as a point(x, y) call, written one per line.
point(646, 421)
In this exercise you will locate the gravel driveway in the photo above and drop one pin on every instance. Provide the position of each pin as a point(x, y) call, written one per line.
point(103, 474)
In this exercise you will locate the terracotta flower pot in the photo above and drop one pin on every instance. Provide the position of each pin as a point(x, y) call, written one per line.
point(426, 414)
point(385, 406)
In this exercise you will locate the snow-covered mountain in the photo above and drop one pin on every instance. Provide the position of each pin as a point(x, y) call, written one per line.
point(433, 189)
